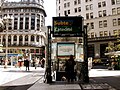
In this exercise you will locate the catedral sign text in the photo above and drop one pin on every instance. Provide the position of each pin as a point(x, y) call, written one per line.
point(67, 26)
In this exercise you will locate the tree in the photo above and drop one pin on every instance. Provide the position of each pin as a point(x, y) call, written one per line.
point(112, 48)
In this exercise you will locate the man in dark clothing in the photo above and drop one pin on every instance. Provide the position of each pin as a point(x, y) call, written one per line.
point(42, 63)
point(69, 68)
point(26, 63)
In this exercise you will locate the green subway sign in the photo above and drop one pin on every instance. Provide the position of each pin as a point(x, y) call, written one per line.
point(67, 26)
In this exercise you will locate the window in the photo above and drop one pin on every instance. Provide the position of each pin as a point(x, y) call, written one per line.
point(79, 9)
point(26, 38)
point(75, 10)
point(59, 7)
point(79, 1)
point(91, 15)
point(114, 22)
point(100, 13)
point(101, 33)
point(100, 24)
point(64, 5)
point(119, 31)
point(87, 7)
point(68, 4)
point(105, 23)
point(92, 35)
point(99, 4)
point(92, 25)
point(37, 38)
point(87, 16)
point(15, 38)
point(88, 35)
point(113, 11)
point(59, 1)
point(32, 38)
point(75, 2)
point(118, 21)
point(103, 3)
point(104, 12)
point(33, 21)
point(113, 2)
point(117, 1)
point(65, 13)
point(21, 22)
point(105, 33)
point(86, 0)
point(68, 11)
point(118, 10)
point(91, 6)
point(27, 23)
point(115, 32)
point(15, 23)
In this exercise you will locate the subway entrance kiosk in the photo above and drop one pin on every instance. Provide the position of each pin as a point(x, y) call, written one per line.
point(66, 27)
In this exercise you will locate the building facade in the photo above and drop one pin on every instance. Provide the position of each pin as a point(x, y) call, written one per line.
point(102, 18)
point(26, 32)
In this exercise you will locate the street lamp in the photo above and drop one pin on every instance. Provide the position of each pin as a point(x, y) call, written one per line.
point(7, 20)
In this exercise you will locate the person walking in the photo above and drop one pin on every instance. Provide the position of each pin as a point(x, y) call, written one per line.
point(69, 69)
point(43, 62)
point(26, 63)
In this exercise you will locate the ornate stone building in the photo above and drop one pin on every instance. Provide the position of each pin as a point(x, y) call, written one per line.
point(26, 32)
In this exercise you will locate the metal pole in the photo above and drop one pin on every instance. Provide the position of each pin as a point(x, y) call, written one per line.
point(49, 77)
point(85, 63)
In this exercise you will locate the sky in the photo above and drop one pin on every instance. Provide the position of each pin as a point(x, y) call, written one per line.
point(50, 8)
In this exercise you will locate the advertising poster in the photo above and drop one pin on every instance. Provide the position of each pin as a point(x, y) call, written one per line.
point(65, 49)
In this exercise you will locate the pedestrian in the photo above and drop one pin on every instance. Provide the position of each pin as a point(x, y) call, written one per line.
point(69, 69)
point(20, 62)
point(36, 63)
point(43, 62)
point(26, 63)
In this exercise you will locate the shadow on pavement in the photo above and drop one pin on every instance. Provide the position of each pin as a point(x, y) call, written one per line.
point(20, 87)
point(113, 81)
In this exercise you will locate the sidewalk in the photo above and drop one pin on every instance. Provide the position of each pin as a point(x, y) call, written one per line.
point(33, 80)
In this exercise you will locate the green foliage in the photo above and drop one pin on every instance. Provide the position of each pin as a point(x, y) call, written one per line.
point(110, 47)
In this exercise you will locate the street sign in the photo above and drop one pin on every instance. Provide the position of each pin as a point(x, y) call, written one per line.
point(67, 26)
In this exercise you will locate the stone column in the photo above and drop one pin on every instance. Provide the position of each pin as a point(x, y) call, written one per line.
point(18, 39)
point(12, 39)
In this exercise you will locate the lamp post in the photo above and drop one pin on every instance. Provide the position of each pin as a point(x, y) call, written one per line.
point(85, 64)
point(7, 20)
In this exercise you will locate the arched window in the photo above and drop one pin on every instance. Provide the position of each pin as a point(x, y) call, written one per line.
point(20, 38)
point(32, 38)
point(37, 38)
point(26, 38)
point(15, 38)
point(9, 40)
